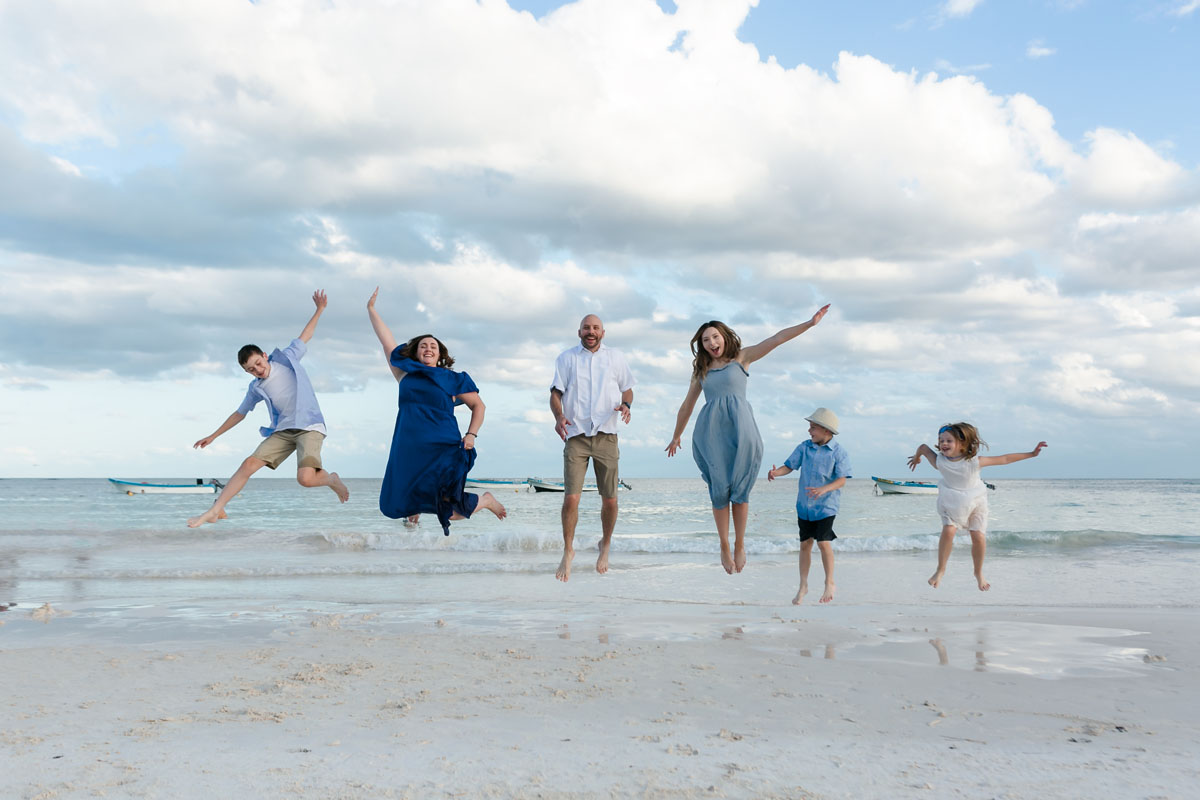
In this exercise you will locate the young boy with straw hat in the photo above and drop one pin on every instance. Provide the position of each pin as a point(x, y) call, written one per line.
point(824, 467)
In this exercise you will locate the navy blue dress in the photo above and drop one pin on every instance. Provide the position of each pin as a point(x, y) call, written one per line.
point(428, 465)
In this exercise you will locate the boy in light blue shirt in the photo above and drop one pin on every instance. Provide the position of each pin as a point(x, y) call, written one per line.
point(824, 467)
point(296, 422)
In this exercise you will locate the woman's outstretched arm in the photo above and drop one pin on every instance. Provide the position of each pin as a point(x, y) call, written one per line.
point(385, 335)
point(685, 413)
point(756, 351)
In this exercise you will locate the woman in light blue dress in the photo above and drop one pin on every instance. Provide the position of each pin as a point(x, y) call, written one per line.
point(726, 443)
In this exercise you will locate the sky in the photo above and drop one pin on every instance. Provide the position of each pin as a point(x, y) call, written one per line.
point(1000, 201)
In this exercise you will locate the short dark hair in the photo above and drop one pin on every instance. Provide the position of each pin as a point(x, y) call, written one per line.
point(246, 352)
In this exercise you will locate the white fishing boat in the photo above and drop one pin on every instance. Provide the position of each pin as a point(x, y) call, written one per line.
point(885, 486)
point(200, 486)
point(539, 485)
point(495, 484)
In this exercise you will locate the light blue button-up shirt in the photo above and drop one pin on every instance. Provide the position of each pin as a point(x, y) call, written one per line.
point(308, 412)
point(818, 464)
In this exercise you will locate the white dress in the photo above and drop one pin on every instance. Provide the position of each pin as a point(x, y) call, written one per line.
point(962, 495)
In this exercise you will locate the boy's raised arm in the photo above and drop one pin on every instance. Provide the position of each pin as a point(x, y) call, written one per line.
point(231, 420)
point(321, 301)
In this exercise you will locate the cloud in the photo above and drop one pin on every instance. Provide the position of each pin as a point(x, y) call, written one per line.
point(1186, 8)
point(960, 8)
point(1038, 49)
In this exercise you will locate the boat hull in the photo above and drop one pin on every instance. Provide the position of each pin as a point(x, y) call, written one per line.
point(488, 483)
point(904, 487)
point(134, 487)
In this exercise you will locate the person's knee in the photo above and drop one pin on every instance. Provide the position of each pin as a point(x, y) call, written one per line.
point(570, 502)
point(608, 503)
point(308, 477)
point(806, 545)
point(251, 465)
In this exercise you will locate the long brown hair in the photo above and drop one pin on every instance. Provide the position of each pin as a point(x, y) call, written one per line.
point(967, 434)
point(409, 350)
point(701, 360)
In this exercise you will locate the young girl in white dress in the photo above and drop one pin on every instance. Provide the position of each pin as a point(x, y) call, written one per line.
point(962, 495)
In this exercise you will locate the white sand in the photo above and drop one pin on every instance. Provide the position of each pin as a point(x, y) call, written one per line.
point(843, 701)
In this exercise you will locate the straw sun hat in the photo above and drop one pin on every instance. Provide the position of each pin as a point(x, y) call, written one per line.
point(825, 418)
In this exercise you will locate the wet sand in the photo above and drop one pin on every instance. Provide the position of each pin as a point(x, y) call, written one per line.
point(673, 700)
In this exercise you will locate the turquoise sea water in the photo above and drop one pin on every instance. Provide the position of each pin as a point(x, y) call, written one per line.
point(83, 546)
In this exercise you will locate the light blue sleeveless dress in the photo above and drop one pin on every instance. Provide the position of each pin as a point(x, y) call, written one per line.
point(726, 444)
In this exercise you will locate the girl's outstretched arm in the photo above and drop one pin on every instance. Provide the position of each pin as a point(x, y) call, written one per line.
point(384, 333)
point(685, 413)
point(995, 461)
point(923, 450)
point(756, 351)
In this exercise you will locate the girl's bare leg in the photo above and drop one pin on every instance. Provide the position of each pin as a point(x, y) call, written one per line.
point(978, 551)
point(741, 511)
point(945, 545)
point(721, 516)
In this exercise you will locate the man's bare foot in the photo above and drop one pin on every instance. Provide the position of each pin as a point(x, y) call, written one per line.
point(564, 566)
point(739, 559)
point(488, 500)
point(222, 515)
point(338, 487)
point(602, 561)
point(207, 516)
point(936, 579)
point(726, 559)
point(828, 595)
point(983, 585)
point(799, 598)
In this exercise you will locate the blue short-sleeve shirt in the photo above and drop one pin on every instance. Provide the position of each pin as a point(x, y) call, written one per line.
point(818, 464)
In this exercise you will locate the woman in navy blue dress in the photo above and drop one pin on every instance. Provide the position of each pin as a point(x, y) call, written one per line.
point(429, 461)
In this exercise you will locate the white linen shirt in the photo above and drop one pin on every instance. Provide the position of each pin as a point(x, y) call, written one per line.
point(591, 386)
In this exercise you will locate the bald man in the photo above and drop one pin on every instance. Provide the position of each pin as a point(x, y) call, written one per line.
point(592, 389)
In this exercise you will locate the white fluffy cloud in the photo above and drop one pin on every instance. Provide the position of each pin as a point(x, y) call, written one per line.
point(179, 178)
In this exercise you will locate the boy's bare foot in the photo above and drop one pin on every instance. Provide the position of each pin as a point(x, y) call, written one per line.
point(222, 515)
point(983, 585)
point(207, 516)
point(799, 598)
point(828, 595)
point(564, 566)
point(936, 579)
point(739, 559)
point(415, 519)
point(943, 658)
point(602, 561)
point(726, 559)
point(338, 487)
point(488, 500)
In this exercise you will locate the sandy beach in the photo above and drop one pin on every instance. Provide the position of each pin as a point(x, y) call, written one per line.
point(533, 689)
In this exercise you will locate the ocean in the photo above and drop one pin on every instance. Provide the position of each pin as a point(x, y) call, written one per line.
point(125, 568)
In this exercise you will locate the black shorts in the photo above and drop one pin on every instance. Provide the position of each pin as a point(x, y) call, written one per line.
point(819, 529)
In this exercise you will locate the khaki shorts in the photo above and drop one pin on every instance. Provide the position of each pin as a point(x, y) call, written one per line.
point(279, 445)
point(602, 450)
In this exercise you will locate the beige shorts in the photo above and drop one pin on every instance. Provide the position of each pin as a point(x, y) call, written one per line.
point(279, 445)
point(602, 450)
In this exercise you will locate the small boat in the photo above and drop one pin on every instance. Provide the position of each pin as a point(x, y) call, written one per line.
point(138, 487)
point(885, 486)
point(494, 483)
point(539, 485)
